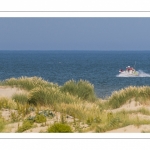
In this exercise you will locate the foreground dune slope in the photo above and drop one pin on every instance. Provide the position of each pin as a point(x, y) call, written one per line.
point(14, 118)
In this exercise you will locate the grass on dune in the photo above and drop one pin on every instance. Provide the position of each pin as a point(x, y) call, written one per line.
point(120, 97)
point(49, 96)
point(20, 98)
point(81, 110)
point(111, 121)
point(82, 89)
point(2, 123)
point(7, 103)
point(28, 83)
point(50, 92)
point(25, 126)
point(78, 100)
point(59, 128)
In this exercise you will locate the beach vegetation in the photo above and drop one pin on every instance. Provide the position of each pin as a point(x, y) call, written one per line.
point(23, 109)
point(82, 89)
point(15, 116)
point(49, 96)
point(27, 124)
point(76, 99)
point(7, 103)
point(144, 111)
point(20, 98)
point(28, 83)
point(118, 98)
point(59, 128)
point(40, 118)
point(2, 123)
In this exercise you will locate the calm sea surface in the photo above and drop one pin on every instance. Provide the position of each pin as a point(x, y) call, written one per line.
point(98, 67)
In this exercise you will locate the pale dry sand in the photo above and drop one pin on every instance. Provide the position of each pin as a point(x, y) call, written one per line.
point(132, 105)
point(12, 127)
point(9, 91)
point(132, 129)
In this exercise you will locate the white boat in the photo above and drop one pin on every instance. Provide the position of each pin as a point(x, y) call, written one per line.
point(130, 71)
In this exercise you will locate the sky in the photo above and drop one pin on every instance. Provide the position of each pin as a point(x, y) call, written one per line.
point(75, 33)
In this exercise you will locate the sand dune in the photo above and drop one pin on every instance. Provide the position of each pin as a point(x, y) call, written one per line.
point(9, 91)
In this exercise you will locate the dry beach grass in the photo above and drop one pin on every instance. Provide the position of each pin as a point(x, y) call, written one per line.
point(35, 105)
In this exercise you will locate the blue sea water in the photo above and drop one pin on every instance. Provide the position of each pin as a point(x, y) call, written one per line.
point(98, 67)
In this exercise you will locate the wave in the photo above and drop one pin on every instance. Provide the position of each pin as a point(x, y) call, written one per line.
point(141, 74)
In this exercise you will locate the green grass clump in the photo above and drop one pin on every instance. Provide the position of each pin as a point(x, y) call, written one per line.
point(27, 124)
point(144, 111)
point(28, 83)
point(59, 128)
point(24, 109)
point(111, 121)
point(120, 97)
point(7, 103)
point(40, 118)
point(14, 116)
point(2, 124)
point(49, 96)
point(87, 112)
point(137, 121)
point(20, 98)
point(82, 89)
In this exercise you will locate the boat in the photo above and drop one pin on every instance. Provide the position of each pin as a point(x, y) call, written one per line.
point(129, 71)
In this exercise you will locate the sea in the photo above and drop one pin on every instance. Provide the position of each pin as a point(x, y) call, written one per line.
point(100, 68)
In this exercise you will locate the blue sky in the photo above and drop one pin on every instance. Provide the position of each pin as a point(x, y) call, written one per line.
point(74, 33)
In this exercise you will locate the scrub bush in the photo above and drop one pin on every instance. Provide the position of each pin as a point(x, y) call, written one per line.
point(27, 124)
point(59, 128)
point(39, 118)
